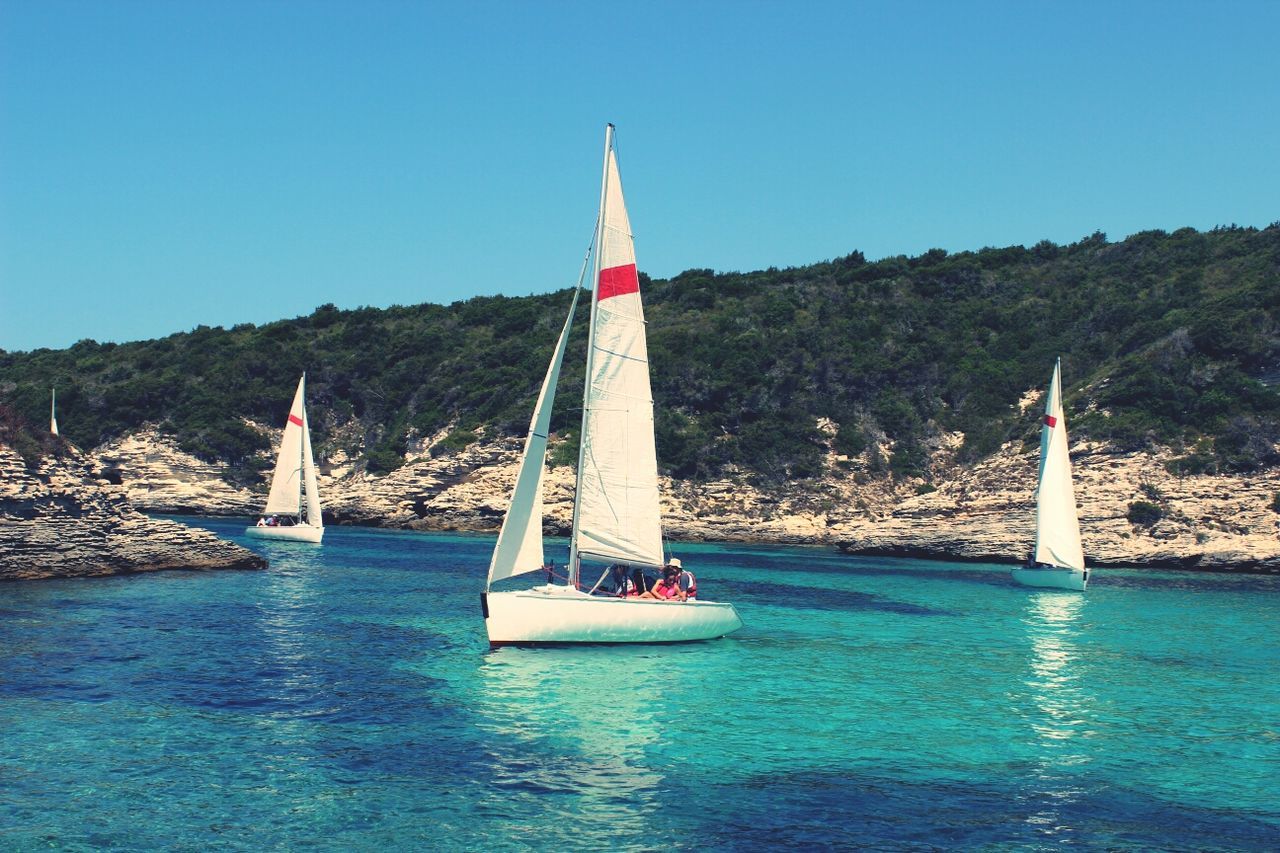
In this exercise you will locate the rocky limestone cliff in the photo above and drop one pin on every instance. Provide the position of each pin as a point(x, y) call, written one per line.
point(63, 520)
point(983, 512)
point(158, 477)
point(988, 513)
point(468, 490)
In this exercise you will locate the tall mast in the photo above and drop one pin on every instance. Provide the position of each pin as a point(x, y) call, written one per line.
point(302, 453)
point(591, 338)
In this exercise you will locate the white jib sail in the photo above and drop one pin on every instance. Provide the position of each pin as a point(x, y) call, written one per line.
point(519, 546)
point(53, 411)
point(618, 509)
point(286, 484)
point(312, 489)
point(1057, 527)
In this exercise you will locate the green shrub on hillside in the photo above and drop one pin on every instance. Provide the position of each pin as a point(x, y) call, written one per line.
point(458, 439)
point(31, 443)
point(1165, 340)
point(1144, 513)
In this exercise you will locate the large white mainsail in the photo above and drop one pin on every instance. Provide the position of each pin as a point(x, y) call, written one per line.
point(616, 509)
point(53, 411)
point(1057, 527)
point(294, 459)
point(519, 546)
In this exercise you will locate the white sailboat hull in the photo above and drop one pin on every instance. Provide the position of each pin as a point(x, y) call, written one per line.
point(294, 533)
point(559, 614)
point(1052, 577)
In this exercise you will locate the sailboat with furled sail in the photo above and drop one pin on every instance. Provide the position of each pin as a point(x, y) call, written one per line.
point(616, 515)
point(293, 505)
point(1057, 560)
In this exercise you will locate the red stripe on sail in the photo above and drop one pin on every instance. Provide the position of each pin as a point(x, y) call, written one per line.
point(1050, 421)
point(618, 281)
point(295, 420)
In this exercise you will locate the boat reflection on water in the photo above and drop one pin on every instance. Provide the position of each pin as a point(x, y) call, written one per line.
point(286, 666)
point(1059, 708)
point(580, 722)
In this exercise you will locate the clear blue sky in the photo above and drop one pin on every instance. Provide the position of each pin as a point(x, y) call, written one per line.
point(168, 164)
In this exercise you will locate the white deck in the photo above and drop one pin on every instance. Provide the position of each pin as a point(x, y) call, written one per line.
point(1052, 577)
point(559, 614)
point(292, 533)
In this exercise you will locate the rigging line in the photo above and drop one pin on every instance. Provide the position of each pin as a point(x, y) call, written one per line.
point(622, 355)
point(622, 398)
point(625, 315)
point(600, 581)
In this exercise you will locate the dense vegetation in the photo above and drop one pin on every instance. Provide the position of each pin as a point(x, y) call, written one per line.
point(31, 443)
point(1165, 339)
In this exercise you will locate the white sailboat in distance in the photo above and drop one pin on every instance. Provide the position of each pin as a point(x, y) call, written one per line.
point(53, 411)
point(1057, 560)
point(616, 517)
point(293, 505)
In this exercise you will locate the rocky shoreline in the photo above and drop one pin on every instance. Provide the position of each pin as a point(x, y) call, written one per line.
point(61, 519)
point(986, 513)
point(983, 512)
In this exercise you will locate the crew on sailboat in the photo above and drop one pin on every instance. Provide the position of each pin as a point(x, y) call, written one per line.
point(621, 584)
point(276, 521)
point(1032, 564)
point(665, 589)
point(677, 584)
point(686, 583)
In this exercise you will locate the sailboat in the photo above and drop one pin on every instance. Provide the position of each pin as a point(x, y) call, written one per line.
point(293, 505)
point(616, 516)
point(53, 411)
point(1058, 558)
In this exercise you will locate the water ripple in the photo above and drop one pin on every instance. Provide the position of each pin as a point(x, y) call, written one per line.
point(346, 699)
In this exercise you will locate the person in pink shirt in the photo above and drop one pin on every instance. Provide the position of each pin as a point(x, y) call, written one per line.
point(666, 589)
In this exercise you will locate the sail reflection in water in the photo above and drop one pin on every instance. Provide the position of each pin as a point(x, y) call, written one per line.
point(597, 715)
point(1059, 707)
point(285, 660)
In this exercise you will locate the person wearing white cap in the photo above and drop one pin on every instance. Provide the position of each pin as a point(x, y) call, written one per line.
point(687, 584)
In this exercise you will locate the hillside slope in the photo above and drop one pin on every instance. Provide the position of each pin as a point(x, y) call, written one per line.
point(1166, 339)
point(887, 406)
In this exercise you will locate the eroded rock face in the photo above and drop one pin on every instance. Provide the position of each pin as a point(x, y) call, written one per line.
point(468, 490)
point(988, 513)
point(159, 477)
point(64, 520)
point(983, 512)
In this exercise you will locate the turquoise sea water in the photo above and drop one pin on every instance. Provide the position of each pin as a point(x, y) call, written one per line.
point(346, 699)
